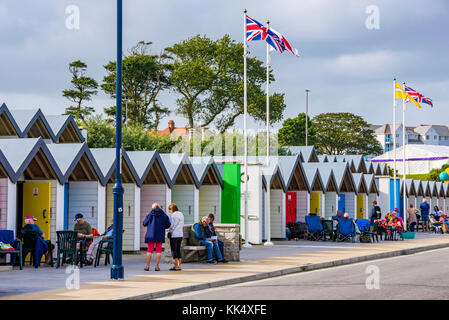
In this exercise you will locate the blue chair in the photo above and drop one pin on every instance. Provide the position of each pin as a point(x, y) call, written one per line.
point(364, 227)
point(7, 236)
point(314, 228)
point(345, 230)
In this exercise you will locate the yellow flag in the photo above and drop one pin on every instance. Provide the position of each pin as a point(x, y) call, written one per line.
point(401, 94)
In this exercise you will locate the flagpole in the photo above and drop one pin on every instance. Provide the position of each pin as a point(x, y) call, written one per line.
point(394, 142)
point(245, 134)
point(268, 210)
point(404, 210)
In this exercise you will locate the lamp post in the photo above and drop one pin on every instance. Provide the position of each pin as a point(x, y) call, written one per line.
point(117, 270)
point(307, 112)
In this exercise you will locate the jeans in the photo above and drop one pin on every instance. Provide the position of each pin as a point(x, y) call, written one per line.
point(412, 226)
point(211, 247)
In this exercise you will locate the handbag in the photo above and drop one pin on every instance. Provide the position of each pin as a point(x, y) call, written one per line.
point(169, 235)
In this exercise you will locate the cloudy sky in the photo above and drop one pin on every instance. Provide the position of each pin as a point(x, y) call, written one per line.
point(346, 66)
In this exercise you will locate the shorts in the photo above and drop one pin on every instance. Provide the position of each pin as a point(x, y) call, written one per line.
point(151, 246)
point(425, 218)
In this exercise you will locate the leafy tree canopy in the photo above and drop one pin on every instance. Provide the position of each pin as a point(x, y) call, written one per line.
point(208, 76)
point(344, 133)
point(82, 89)
point(293, 131)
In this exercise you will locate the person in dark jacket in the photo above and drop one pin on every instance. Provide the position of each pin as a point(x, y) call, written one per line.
point(156, 222)
point(425, 208)
point(202, 234)
point(213, 235)
point(375, 213)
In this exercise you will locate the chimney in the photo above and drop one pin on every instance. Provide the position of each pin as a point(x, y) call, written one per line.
point(171, 125)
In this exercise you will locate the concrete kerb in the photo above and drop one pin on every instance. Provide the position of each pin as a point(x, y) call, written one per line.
point(283, 272)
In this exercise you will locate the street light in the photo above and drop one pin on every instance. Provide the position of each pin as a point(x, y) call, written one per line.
point(307, 112)
point(117, 270)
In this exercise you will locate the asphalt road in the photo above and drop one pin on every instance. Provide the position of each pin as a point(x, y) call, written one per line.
point(414, 277)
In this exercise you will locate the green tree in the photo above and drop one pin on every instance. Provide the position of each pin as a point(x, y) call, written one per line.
point(208, 76)
point(293, 131)
point(344, 132)
point(82, 90)
point(144, 76)
point(434, 174)
point(99, 133)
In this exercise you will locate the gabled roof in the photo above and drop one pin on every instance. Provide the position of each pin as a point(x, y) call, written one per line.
point(410, 187)
point(69, 155)
point(358, 161)
point(369, 167)
point(326, 173)
point(343, 176)
point(27, 119)
point(291, 170)
point(439, 187)
point(446, 189)
point(323, 158)
point(433, 188)
point(274, 176)
point(143, 162)
point(61, 124)
point(426, 188)
point(174, 163)
point(105, 158)
point(308, 153)
point(418, 187)
point(370, 182)
point(202, 166)
point(8, 126)
point(16, 155)
point(360, 184)
point(314, 178)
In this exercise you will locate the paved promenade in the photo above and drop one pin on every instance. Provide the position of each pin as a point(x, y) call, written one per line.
point(256, 263)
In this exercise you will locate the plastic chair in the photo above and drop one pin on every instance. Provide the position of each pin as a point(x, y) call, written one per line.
point(345, 230)
point(107, 250)
point(66, 241)
point(29, 238)
point(7, 236)
point(328, 229)
point(364, 227)
point(314, 228)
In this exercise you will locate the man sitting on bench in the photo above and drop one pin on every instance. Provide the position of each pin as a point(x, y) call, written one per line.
point(202, 235)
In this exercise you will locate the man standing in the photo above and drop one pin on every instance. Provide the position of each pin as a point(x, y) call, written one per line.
point(425, 208)
point(375, 212)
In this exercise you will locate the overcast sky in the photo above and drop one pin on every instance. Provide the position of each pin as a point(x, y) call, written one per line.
point(346, 66)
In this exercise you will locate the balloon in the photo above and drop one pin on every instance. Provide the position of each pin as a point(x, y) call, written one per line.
point(447, 171)
point(444, 176)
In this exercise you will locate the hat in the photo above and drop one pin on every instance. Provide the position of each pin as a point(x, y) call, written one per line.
point(396, 209)
point(374, 202)
point(30, 216)
point(79, 216)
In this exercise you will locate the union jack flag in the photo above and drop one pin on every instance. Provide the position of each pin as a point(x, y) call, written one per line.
point(418, 97)
point(255, 30)
point(279, 43)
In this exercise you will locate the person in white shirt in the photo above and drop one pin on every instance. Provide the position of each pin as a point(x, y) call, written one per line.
point(176, 235)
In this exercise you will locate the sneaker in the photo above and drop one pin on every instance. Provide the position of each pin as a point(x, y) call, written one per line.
point(223, 261)
point(211, 262)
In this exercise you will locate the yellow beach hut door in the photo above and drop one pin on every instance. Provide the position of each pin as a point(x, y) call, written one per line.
point(360, 206)
point(315, 202)
point(36, 201)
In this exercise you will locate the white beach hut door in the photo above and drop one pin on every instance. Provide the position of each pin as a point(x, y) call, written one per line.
point(183, 197)
point(83, 198)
